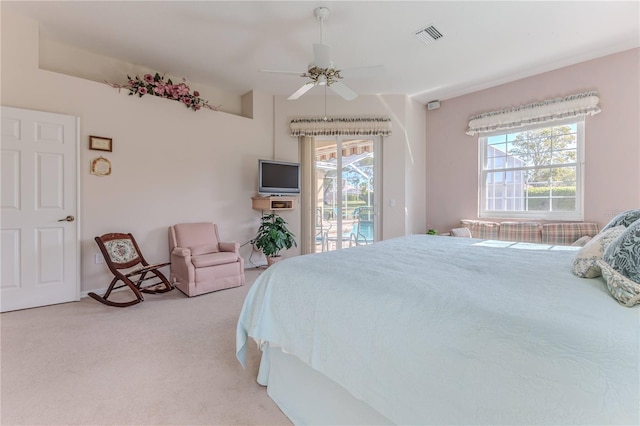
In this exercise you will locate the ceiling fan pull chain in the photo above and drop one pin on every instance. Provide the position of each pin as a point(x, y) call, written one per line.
point(325, 102)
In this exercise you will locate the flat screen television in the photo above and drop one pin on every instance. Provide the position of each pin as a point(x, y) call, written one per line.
point(278, 177)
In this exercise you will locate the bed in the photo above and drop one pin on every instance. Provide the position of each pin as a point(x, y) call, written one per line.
point(442, 330)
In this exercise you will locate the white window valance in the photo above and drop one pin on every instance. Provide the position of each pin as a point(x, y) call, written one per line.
point(577, 105)
point(341, 126)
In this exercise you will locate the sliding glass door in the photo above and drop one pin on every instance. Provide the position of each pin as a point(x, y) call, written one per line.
point(346, 170)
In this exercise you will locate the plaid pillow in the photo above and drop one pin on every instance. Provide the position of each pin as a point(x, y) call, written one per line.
point(567, 233)
point(528, 232)
point(482, 229)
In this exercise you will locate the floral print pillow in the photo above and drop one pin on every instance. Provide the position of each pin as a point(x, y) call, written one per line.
point(625, 218)
point(121, 251)
point(622, 260)
point(625, 291)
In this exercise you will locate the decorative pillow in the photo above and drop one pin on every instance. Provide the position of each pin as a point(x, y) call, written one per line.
point(482, 229)
point(623, 254)
point(584, 264)
point(625, 218)
point(580, 242)
point(526, 232)
point(204, 249)
point(460, 232)
point(625, 291)
point(566, 233)
point(121, 251)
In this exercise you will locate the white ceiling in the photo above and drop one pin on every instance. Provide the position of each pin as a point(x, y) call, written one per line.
point(225, 44)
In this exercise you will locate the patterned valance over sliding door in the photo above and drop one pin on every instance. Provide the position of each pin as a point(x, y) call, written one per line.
point(341, 126)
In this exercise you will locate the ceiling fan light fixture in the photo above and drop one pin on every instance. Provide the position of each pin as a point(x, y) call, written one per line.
point(323, 75)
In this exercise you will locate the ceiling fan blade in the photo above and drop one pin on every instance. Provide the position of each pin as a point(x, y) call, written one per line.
point(301, 91)
point(296, 73)
point(321, 55)
point(342, 90)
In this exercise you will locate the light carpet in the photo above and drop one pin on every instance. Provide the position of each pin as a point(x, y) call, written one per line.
point(169, 360)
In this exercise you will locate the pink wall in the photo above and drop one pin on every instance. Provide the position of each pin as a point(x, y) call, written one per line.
point(612, 139)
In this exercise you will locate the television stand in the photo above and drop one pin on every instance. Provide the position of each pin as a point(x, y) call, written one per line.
point(277, 202)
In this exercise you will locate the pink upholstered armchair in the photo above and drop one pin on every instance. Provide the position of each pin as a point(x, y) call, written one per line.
point(200, 263)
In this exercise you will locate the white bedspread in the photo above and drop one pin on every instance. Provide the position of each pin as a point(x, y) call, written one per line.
point(441, 330)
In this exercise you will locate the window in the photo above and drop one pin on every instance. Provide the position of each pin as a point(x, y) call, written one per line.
point(535, 172)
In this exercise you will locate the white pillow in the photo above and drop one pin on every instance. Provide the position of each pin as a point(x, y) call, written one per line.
point(585, 263)
point(582, 241)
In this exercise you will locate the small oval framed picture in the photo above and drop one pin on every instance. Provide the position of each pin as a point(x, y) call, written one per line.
point(100, 166)
point(99, 143)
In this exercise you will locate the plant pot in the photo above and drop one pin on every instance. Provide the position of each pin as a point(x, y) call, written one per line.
point(273, 259)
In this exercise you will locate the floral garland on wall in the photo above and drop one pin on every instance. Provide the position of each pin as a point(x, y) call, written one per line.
point(156, 85)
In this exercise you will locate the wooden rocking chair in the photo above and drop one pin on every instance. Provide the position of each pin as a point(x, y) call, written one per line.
point(122, 254)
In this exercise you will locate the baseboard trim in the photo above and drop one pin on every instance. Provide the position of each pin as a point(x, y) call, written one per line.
point(103, 290)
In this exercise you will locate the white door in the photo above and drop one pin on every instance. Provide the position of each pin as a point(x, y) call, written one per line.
point(39, 209)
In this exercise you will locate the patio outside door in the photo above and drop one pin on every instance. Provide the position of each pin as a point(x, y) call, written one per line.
point(346, 171)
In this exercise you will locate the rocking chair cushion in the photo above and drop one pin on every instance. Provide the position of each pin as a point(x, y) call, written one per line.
point(204, 249)
point(212, 259)
point(121, 250)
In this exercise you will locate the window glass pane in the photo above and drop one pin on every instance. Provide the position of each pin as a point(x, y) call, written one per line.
point(512, 136)
point(563, 204)
point(537, 203)
point(563, 176)
point(496, 150)
point(491, 140)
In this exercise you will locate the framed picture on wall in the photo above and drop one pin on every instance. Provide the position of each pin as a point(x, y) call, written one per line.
point(100, 166)
point(100, 144)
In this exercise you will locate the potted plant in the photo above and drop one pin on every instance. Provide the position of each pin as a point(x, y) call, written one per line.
point(273, 236)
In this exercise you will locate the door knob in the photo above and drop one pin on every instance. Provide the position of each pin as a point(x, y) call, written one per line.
point(67, 219)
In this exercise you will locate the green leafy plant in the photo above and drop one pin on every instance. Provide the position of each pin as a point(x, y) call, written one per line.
point(273, 236)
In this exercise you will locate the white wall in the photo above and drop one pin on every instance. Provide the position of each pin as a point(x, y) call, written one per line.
point(172, 164)
point(58, 57)
point(416, 166)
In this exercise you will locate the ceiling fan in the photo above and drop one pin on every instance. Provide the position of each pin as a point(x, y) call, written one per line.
point(321, 72)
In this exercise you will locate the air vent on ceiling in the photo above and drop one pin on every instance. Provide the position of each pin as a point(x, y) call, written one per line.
point(429, 34)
